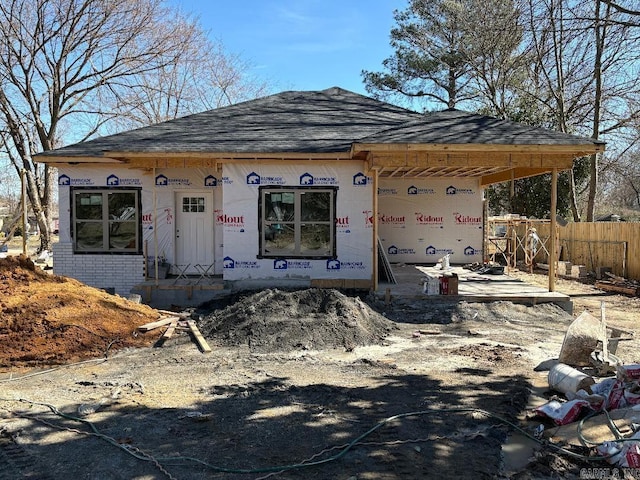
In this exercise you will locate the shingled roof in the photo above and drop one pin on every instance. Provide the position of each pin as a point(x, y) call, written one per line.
point(462, 128)
point(309, 122)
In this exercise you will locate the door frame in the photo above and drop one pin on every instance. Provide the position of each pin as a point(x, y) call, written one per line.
point(208, 194)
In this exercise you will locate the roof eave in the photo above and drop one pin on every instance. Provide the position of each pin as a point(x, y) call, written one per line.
point(152, 158)
point(577, 149)
point(71, 159)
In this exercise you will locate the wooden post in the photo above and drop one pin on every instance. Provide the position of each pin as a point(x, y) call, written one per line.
point(375, 230)
point(553, 227)
point(155, 229)
point(25, 213)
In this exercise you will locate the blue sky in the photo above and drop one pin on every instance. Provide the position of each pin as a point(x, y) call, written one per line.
point(302, 44)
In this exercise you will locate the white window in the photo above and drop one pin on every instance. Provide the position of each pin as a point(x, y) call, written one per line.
point(106, 220)
point(297, 222)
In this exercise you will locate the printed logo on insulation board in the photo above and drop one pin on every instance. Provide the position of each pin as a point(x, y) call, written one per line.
point(393, 220)
point(413, 190)
point(393, 250)
point(335, 264)
point(386, 192)
point(254, 179)
point(308, 179)
point(467, 220)
point(164, 181)
point(342, 224)
point(235, 222)
point(229, 262)
point(114, 181)
point(452, 190)
point(472, 251)
point(360, 179)
point(210, 181)
point(432, 250)
point(368, 218)
point(282, 264)
point(66, 180)
point(424, 219)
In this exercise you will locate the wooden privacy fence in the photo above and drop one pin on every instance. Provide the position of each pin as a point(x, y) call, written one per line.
point(592, 244)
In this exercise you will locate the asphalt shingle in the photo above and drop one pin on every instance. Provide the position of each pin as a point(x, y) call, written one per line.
point(327, 121)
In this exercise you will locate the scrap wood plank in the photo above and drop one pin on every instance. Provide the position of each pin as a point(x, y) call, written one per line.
point(628, 289)
point(170, 331)
point(615, 277)
point(158, 323)
point(175, 314)
point(167, 334)
point(204, 346)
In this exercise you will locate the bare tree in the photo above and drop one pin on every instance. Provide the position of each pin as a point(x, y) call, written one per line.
point(206, 77)
point(584, 55)
point(622, 9)
point(67, 69)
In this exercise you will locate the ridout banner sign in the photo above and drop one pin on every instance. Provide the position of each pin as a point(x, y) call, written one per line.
point(239, 220)
point(420, 221)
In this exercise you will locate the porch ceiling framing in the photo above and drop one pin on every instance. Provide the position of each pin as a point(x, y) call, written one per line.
point(490, 163)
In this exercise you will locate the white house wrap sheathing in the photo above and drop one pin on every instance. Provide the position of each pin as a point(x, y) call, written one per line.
point(354, 234)
point(421, 220)
point(235, 225)
point(166, 183)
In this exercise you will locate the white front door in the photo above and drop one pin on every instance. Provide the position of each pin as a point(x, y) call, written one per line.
point(194, 230)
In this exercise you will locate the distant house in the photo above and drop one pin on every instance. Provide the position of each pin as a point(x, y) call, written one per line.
point(293, 185)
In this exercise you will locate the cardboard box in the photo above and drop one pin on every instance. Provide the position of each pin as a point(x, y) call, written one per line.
point(453, 284)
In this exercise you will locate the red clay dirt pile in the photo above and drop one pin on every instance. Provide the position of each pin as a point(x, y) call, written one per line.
point(47, 319)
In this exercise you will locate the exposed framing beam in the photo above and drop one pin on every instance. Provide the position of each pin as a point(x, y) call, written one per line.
point(514, 174)
point(573, 149)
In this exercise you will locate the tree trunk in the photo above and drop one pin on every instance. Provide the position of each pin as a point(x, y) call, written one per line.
point(600, 31)
point(573, 200)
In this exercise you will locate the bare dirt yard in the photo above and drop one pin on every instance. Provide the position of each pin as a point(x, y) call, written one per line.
point(313, 384)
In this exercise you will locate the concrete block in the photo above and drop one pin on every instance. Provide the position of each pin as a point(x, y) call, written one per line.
point(564, 268)
point(578, 271)
point(600, 272)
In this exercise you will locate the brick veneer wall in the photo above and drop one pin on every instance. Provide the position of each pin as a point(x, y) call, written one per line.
point(112, 272)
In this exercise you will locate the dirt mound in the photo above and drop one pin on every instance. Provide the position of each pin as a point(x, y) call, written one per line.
point(311, 319)
point(47, 319)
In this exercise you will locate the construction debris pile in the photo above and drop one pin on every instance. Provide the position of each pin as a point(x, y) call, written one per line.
point(595, 381)
point(617, 284)
point(274, 320)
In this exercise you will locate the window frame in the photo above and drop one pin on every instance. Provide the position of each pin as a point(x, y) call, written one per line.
point(105, 221)
point(297, 222)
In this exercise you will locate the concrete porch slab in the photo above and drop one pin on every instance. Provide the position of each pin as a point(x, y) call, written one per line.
point(472, 287)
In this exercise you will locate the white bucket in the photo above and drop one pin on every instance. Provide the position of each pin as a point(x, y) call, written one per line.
point(431, 286)
point(566, 379)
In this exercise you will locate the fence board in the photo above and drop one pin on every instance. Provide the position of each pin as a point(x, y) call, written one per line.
point(597, 244)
